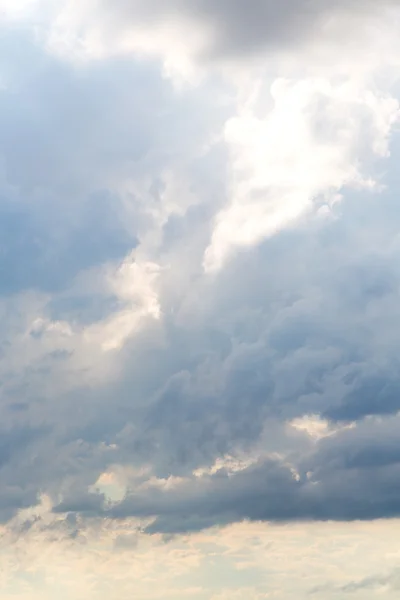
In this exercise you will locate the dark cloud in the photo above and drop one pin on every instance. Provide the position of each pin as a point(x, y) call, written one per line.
point(17, 441)
point(304, 323)
point(236, 371)
point(235, 29)
point(369, 395)
point(57, 216)
point(48, 255)
point(68, 137)
point(349, 476)
point(239, 371)
point(255, 366)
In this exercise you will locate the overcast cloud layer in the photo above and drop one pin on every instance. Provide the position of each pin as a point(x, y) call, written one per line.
point(199, 268)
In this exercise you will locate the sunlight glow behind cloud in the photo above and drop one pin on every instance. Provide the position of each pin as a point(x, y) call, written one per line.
point(199, 280)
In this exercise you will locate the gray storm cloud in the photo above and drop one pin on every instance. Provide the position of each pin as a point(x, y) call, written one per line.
point(111, 184)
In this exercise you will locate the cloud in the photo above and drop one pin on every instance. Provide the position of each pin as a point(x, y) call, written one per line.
point(177, 404)
point(305, 151)
point(204, 31)
point(188, 273)
point(375, 583)
point(350, 475)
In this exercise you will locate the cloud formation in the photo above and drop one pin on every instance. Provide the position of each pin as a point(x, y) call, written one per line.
point(199, 274)
point(208, 31)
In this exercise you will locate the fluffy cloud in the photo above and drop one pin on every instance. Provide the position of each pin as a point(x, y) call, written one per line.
point(199, 283)
point(346, 475)
point(308, 148)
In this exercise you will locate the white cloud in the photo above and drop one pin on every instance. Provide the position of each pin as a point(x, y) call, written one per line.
point(18, 9)
point(314, 141)
point(316, 427)
point(134, 286)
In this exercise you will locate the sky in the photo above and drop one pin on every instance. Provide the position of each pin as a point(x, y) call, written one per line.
point(199, 285)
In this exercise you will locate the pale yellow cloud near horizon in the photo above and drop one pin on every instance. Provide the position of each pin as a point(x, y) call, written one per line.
point(250, 560)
